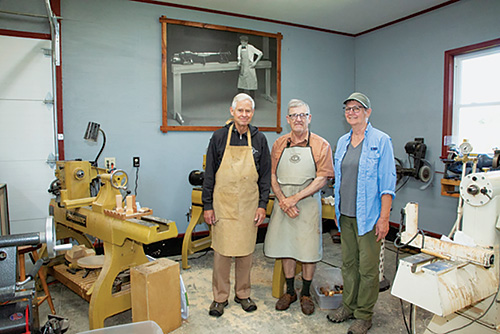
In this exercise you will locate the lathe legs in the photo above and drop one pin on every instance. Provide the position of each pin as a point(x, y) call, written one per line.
point(190, 246)
point(103, 302)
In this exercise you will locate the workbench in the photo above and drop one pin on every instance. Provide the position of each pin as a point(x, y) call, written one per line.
point(179, 69)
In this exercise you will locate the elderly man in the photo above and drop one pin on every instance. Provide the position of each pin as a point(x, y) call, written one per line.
point(365, 181)
point(301, 164)
point(235, 195)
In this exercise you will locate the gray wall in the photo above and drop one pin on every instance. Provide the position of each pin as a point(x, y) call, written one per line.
point(401, 68)
point(112, 76)
point(32, 24)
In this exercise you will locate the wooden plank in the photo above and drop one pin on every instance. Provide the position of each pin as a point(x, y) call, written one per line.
point(75, 282)
point(123, 215)
point(449, 187)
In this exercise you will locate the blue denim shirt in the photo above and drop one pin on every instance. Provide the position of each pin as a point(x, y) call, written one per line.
point(376, 176)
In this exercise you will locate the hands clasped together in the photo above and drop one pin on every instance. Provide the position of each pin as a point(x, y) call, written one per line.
point(289, 206)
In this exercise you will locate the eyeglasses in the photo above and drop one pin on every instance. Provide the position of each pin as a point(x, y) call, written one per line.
point(301, 115)
point(354, 109)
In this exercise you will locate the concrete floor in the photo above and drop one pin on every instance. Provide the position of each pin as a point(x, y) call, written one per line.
point(266, 319)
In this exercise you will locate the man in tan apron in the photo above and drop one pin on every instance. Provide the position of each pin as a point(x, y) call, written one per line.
point(301, 164)
point(235, 195)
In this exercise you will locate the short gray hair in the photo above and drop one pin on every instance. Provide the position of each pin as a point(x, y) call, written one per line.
point(242, 97)
point(295, 103)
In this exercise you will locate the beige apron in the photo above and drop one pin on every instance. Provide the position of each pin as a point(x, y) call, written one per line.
point(298, 238)
point(236, 198)
point(248, 77)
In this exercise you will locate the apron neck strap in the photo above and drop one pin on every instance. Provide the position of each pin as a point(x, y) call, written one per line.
point(230, 133)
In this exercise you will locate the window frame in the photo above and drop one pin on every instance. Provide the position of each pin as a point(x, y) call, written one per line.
point(449, 85)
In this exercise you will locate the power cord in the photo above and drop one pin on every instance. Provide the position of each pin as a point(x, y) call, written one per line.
point(407, 177)
point(331, 265)
point(136, 180)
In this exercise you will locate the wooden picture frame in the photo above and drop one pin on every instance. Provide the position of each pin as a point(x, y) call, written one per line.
point(200, 75)
point(4, 211)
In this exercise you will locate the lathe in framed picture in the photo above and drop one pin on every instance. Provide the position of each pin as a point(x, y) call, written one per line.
point(204, 66)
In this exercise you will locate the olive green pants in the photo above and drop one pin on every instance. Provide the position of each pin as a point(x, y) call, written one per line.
point(360, 268)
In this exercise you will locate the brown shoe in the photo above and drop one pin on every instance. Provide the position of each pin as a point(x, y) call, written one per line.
point(340, 315)
point(247, 304)
point(284, 302)
point(217, 309)
point(307, 305)
point(360, 326)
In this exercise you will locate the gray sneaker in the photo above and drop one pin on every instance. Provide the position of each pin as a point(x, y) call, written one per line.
point(217, 309)
point(340, 315)
point(360, 326)
point(247, 304)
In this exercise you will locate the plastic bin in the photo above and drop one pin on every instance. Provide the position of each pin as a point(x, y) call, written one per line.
point(141, 327)
point(327, 278)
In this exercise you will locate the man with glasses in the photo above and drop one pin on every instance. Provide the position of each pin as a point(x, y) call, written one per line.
point(301, 163)
point(235, 195)
point(365, 182)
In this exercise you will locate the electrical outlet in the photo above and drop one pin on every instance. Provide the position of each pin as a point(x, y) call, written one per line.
point(136, 162)
point(109, 163)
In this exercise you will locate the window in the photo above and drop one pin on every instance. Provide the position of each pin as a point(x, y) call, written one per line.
point(472, 96)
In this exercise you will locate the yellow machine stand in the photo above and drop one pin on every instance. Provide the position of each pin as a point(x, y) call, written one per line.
point(123, 232)
point(190, 246)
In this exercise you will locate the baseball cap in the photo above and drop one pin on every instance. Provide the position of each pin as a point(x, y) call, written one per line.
point(361, 98)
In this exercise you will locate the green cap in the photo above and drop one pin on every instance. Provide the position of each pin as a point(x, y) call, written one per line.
point(361, 98)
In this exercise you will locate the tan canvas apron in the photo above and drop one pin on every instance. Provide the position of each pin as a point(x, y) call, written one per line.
point(236, 198)
point(298, 238)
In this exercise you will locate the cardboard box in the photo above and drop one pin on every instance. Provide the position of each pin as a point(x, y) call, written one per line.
point(155, 293)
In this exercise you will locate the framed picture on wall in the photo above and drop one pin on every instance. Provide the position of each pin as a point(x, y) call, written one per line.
point(204, 66)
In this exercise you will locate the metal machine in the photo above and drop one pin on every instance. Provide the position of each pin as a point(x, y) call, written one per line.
point(458, 282)
point(79, 215)
point(455, 166)
point(422, 169)
point(16, 298)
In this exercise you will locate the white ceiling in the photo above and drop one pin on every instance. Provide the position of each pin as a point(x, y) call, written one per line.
point(346, 16)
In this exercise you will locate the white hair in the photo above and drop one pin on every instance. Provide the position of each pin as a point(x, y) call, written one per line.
point(295, 103)
point(242, 97)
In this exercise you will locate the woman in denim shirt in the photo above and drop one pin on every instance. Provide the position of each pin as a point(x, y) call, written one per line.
point(365, 181)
